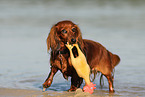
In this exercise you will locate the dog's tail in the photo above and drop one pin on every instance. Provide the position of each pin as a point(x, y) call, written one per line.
point(115, 59)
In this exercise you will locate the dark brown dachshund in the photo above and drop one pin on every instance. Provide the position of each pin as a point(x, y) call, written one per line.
point(98, 57)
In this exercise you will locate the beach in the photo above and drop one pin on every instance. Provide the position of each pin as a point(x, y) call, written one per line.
point(4, 92)
point(25, 63)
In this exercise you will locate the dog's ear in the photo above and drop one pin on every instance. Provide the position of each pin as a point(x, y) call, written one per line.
point(53, 39)
point(79, 38)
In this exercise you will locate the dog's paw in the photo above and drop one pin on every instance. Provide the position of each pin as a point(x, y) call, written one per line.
point(72, 89)
point(47, 84)
point(44, 89)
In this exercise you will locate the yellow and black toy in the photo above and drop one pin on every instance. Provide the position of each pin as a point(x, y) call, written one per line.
point(82, 68)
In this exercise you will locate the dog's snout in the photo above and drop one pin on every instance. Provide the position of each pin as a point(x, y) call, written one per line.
point(73, 40)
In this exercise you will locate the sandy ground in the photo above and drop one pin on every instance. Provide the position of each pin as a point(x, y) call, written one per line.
point(5, 92)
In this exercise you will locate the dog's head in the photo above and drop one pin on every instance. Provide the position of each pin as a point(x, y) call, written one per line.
point(63, 32)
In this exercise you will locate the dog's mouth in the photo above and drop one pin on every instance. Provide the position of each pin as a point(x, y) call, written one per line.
point(74, 50)
point(69, 43)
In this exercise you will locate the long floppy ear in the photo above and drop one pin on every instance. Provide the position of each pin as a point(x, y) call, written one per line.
point(80, 40)
point(52, 39)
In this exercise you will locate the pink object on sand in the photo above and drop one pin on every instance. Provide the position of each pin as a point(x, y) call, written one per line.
point(89, 88)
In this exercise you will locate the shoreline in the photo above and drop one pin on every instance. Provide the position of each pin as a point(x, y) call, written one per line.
point(10, 92)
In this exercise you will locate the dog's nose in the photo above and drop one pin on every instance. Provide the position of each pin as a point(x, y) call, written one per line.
point(73, 40)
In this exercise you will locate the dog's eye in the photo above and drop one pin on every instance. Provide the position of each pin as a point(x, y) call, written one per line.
point(64, 31)
point(74, 29)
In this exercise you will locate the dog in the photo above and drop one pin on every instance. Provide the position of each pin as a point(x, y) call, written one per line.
point(98, 57)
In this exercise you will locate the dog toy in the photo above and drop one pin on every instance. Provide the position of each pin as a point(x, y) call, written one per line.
point(82, 68)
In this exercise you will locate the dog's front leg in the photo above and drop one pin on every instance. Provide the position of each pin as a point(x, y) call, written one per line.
point(76, 82)
point(49, 79)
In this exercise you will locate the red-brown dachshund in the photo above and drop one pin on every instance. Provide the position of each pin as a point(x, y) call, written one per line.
point(98, 57)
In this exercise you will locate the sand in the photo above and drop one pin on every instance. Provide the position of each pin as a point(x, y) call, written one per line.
point(6, 92)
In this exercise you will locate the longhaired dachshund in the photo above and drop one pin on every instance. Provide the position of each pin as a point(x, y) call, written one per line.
point(98, 57)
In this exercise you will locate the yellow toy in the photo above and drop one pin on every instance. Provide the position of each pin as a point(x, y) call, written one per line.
point(81, 66)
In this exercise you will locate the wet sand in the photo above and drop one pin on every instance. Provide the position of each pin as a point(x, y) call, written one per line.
point(9, 92)
point(6, 92)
